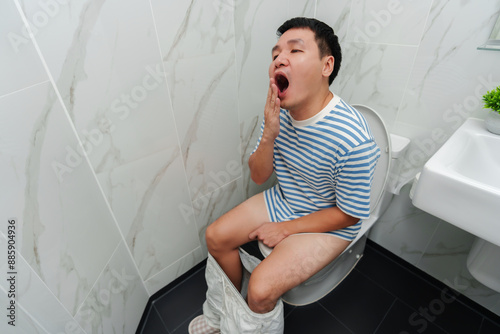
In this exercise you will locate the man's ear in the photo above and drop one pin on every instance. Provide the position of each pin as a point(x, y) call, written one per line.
point(328, 62)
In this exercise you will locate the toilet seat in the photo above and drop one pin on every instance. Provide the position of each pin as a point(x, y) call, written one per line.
point(329, 277)
point(381, 136)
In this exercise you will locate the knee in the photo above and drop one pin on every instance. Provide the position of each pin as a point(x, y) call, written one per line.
point(214, 238)
point(261, 297)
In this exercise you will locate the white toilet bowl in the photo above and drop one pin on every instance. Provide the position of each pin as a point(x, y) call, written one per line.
point(392, 147)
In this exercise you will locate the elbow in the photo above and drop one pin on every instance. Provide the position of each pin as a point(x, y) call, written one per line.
point(258, 181)
point(257, 178)
point(258, 173)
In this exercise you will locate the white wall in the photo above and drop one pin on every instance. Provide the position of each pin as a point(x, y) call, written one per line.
point(165, 98)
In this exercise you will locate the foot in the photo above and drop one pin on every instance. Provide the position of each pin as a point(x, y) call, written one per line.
point(200, 326)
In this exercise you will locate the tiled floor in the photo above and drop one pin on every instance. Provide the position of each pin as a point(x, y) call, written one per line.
point(382, 295)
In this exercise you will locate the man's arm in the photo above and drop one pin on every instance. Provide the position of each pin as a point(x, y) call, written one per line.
point(320, 221)
point(261, 161)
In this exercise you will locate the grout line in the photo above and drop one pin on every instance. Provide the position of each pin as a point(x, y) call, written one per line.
point(434, 283)
point(428, 243)
point(28, 314)
point(411, 269)
point(480, 326)
point(171, 266)
point(374, 282)
point(330, 313)
point(24, 88)
point(385, 315)
point(159, 316)
point(189, 318)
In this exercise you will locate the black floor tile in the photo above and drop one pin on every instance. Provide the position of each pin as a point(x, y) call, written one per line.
point(358, 303)
point(382, 295)
point(183, 328)
point(183, 301)
point(431, 298)
point(453, 316)
point(394, 278)
point(315, 319)
point(489, 327)
point(153, 324)
point(402, 319)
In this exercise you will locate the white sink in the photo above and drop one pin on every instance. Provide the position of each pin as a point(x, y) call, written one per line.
point(461, 182)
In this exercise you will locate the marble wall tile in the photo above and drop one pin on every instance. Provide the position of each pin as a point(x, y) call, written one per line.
point(403, 229)
point(448, 78)
point(54, 194)
point(467, 285)
point(117, 299)
point(175, 270)
point(450, 75)
point(37, 307)
point(149, 197)
point(336, 14)
point(446, 253)
point(105, 60)
point(19, 62)
point(54, 27)
point(375, 75)
point(24, 323)
point(208, 208)
point(250, 133)
point(445, 258)
point(255, 24)
point(496, 308)
point(204, 99)
point(389, 22)
point(194, 28)
point(306, 8)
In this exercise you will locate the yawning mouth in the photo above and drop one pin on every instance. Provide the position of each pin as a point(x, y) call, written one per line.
point(281, 82)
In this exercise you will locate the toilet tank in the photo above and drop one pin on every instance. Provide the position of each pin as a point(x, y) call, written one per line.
point(399, 146)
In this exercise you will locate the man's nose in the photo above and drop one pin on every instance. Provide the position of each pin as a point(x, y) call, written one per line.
point(280, 60)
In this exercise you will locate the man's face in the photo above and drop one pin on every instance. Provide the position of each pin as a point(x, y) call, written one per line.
point(297, 68)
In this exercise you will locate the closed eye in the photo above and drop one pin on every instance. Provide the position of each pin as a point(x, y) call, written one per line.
point(295, 50)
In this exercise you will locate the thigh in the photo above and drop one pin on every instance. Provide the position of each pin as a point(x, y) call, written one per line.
point(296, 259)
point(232, 229)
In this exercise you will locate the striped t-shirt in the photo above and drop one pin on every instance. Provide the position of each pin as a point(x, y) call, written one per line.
point(327, 160)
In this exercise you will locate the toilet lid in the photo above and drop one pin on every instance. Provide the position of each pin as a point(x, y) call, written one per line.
point(383, 141)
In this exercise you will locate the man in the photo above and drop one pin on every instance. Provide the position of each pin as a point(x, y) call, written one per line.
point(324, 156)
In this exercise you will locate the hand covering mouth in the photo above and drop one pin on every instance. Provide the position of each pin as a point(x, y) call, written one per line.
point(281, 82)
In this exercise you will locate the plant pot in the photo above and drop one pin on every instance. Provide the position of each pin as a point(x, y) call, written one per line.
point(492, 122)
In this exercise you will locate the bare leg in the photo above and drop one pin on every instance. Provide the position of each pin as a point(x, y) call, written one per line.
point(230, 231)
point(293, 261)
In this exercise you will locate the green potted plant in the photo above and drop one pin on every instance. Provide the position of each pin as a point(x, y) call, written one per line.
point(492, 101)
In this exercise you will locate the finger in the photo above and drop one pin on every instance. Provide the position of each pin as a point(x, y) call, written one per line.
point(253, 235)
point(274, 88)
point(272, 82)
point(277, 103)
point(269, 92)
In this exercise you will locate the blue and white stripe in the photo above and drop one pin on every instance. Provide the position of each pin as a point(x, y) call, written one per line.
point(328, 160)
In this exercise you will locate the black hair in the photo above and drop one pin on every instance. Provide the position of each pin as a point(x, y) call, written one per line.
point(328, 42)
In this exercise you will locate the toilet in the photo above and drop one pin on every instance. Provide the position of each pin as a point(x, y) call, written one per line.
point(392, 148)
